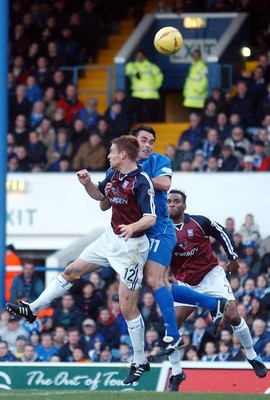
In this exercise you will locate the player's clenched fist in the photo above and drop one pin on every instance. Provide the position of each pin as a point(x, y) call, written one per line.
point(83, 176)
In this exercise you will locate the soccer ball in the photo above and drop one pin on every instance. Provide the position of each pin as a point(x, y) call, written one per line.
point(168, 40)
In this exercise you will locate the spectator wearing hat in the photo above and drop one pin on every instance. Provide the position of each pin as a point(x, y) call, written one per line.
point(26, 286)
point(29, 354)
point(89, 334)
point(229, 162)
point(5, 353)
point(261, 162)
point(247, 165)
point(11, 332)
point(21, 342)
point(198, 161)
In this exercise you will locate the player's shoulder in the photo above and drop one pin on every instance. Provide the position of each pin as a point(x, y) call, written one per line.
point(200, 219)
point(160, 160)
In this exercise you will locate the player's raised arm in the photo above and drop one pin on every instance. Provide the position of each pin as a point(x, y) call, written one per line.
point(90, 187)
point(162, 182)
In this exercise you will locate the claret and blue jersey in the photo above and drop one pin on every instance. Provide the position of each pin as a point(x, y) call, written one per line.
point(132, 196)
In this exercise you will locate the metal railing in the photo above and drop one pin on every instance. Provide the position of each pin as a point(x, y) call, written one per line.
point(76, 75)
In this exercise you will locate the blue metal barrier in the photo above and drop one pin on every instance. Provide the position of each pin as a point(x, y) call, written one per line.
point(75, 78)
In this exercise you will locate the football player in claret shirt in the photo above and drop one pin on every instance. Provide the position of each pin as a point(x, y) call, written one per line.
point(194, 265)
point(124, 246)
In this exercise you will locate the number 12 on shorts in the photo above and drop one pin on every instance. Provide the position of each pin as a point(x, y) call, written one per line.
point(154, 243)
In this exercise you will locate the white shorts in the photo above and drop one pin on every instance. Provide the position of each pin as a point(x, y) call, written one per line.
point(214, 283)
point(126, 257)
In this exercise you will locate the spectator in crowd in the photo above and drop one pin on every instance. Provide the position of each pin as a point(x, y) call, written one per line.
point(198, 161)
point(89, 114)
point(21, 342)
point(99, 283)
point(224, 353)
point(5, 354)
point(79, 134)
point(32, 56)
point(264, 105)
point(73, 339)
point(36, 150)
point(151, 339)
point(13, 164)
point(261, 162)
point(23, 158)
point(222, 126)
point(184, 152)
point(258, 87)
point(238, 244)
point(247, 165)
point(33, 91)
point(91, 155)
point(108, 328)
point(218, 97)
point(19, 70)
point(46, 134)
point(49, 100)
point(266, 353)
point(26, 286)
point(252, 257)
point(120, 320)
point(194, 133)
point(237, 351)
point(70, 104)
point(264, 246)
point(191, 353)
point(106, 354)
point(88, 301)
point(250, 230)
point(186, 165)
point(125, 353)
point(172, 154)
point(11, 332)
point(46, 347)
point(145, 80)
point(62, 146)
point(243, 104)
point(210, 351)
point(261, 286)
point(240, 145)
point(229, 162)
point(67, 314)
point(59, 83)
point(200, 335)
point(54, 56)
point(196, 84)
point(148, 310)
point(89, 334)
point(212, 164)
point(37, 114)
point(211, 145)
point(29, 354)
point(256, 311)
point(209, 115)
point(260, 335)
point(4, 317)
point(42, 73)
point(59, 336)
point(79, 356)
point(19, 105)
point(230, 227)
point(20, 131)
point(117, 119)
point(244, 272)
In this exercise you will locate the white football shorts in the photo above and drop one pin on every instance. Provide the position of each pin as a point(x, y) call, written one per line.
point(214, 283)
point(126, 257)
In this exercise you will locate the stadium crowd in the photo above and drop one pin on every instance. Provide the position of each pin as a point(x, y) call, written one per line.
point(86, 323)
point(50, 129)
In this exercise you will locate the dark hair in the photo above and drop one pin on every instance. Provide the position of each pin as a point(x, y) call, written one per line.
point(149, 129)
point(128, 144)
point(177, 191)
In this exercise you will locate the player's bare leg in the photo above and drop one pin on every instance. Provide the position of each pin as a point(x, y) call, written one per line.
point(128, 303)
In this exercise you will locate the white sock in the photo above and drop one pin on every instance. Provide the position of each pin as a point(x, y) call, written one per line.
point(136, 333)
point(174, 359)
point(243, 334)
point(56, 288)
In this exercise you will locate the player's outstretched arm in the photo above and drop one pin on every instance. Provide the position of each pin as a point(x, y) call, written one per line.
point(90, 187)
point(162, 183)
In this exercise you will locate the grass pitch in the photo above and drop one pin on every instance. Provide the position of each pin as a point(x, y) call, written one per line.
point(79, 395)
